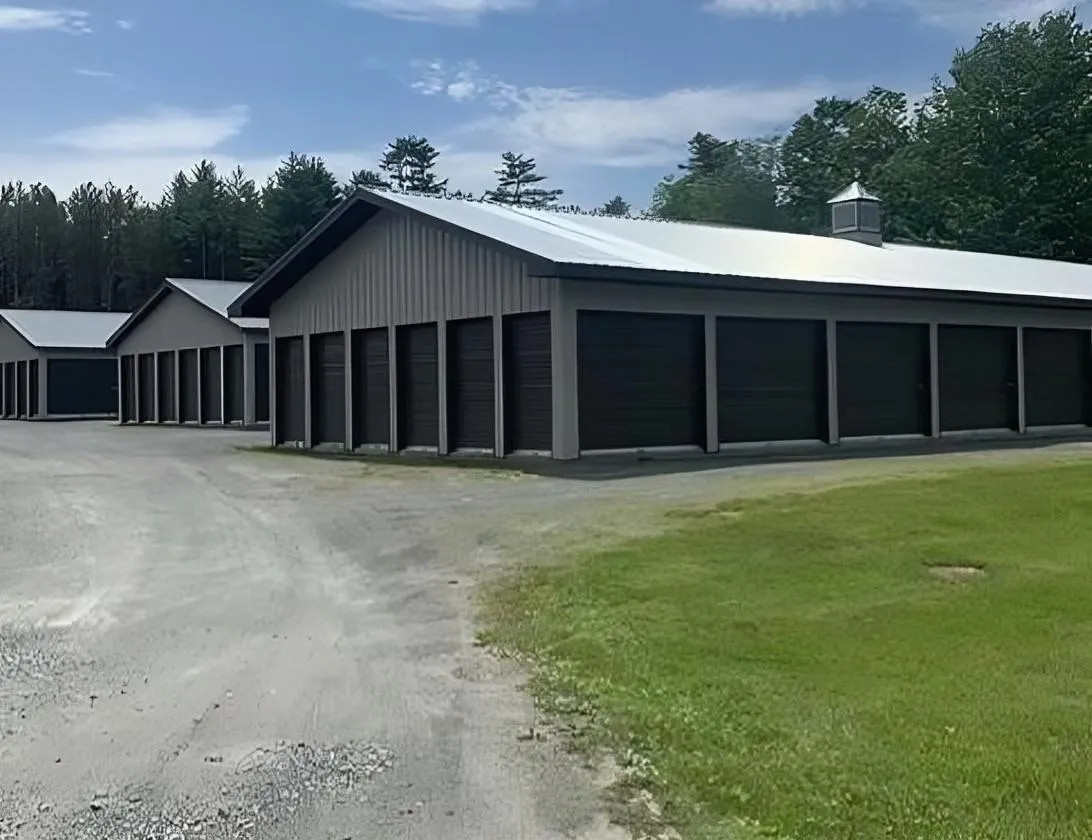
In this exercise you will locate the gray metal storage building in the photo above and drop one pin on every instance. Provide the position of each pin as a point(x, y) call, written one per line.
point(56, 364)
point(183, 359)
point(406, 322)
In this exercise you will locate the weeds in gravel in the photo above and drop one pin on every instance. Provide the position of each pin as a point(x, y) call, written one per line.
point(795, 667)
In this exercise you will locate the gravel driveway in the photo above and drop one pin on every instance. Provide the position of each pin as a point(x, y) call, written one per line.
point(202, 642)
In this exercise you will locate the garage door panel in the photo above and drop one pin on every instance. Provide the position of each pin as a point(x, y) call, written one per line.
point(233, 383)
point(188, 390)
point(771, 380)
point(9, 389)
point(128, 389)
point(883, 379)
point(418, 386)
point(291, 390)
point(528, 383)
point(168, 408)
point(978, 381)
point(33, 389)
point(328, 388)
point(261, 382)
point(146, 388)
point(211, 392)
point(1057, 373)
point(81, 387)
point(641, 380)
point(471, 392)
point(371, 387)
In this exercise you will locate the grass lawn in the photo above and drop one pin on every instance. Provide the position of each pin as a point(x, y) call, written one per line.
point(793, 668)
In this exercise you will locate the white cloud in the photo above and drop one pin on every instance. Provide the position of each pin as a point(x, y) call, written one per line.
point(162, 130)
point(442, 11)
point(95, 74)
point(954, 14)
point(602, 128)
point(124, 24)
point(24, 19)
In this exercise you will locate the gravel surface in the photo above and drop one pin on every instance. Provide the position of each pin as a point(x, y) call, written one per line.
point(37, 667)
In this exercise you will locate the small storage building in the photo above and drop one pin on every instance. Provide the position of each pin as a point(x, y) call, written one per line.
point(405, 322)
point(183, 359)
point(56, 364)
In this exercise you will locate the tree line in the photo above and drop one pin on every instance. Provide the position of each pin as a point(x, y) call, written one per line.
point(996, 157)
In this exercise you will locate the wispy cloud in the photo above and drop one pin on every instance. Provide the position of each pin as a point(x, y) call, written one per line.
point(162, 130)
point(952, 14)
point(124, 24)
point(613, 129)
point(95, 74)
point(440, 11)
point(25, 19)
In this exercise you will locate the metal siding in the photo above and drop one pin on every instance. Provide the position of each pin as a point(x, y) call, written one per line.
point(399, 270)
point(179, 321)
point(14, 347)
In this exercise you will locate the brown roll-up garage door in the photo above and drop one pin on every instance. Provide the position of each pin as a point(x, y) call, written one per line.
point(641, 380)
point(233, 384)
point(291, 386)
point(82, 387)
point(771, 380)
point(883, 379)
point(261, 382)
point(528, 383)
point(371, 388)
point(211, 390)
point(471, 395)
point(418, 387)
point(188, 386)
point(146, 389)
point(168, 409)
point(9, 389)
point(128, 389)
point(328, 388)
point(33, 393)
point(1057, 373)
point(977, 379)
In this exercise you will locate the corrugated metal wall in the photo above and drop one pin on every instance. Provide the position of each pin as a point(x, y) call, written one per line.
point(13, 347)
point(398, 270)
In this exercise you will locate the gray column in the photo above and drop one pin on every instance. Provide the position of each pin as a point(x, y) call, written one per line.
point(498, 385)
point(121, 393)
point(178, 386)
point(273, 440)
point(223, 390)
point(350, 442)
point(3, 389)
point(249, 380)
point(43, 387)
point(564, 372)
point(441, 390)
point(136, 386)
point(1021, 397)
point(392, 364)
point(934, 381)
point(712, 415)
point(832, 381)
point(308, 440)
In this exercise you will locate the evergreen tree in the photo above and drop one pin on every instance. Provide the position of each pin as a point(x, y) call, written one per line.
point(296, 197)
point(517, 181)
point(367, 179)
point(617, 206)
point(409, 162)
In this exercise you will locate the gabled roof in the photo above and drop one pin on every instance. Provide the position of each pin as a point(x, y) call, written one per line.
point(213, 295)
point(50, 329)
point(854, 192)
point(642, 250)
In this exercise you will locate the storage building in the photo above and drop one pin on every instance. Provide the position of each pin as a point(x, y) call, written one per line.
point(406, 322)
point(183, 359)
point(56, 364)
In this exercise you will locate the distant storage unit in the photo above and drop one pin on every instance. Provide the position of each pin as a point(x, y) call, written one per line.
point(410, 323)
point(56, 364)
point(183, 359)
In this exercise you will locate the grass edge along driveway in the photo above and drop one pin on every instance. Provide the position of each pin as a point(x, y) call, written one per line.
point(803, 666)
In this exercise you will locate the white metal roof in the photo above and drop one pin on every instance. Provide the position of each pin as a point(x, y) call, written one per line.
point(742, 252)
point(65, 330)
point(218, 295)
point(854, 192)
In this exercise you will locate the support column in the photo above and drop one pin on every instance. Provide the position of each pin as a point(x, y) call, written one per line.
point(832, 381)
point(136, 386)
point(3, 389)
point(43, 387)
point(712, 409)
point(273, 439)
point(121, 393)
point(178, 386)
point(1021, 396)
point(498, 386)
point(441, 389)
point(563, 369)
point(392, 365)
point(934, 381)
point(308, 441)
point(223, 390)
point(200, 389)
point(350, 443)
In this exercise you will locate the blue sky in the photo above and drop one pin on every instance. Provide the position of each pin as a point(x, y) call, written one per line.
point(603, 92)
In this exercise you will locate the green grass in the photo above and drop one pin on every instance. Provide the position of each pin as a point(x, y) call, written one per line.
point(791, 664)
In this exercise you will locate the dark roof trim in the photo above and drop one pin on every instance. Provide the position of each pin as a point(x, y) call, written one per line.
point(617, 274)
point(332, 231)
point(165, 288)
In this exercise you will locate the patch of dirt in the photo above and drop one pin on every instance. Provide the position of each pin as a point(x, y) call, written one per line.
point(956, 573)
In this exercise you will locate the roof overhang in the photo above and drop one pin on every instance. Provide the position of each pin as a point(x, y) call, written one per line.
point(166, 288)
point(332, 231)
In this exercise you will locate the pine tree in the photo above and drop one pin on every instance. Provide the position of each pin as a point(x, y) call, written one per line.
point(516, 183)
point(617, 206)
point(409, 162)
point(704, 154)
point(367, 179)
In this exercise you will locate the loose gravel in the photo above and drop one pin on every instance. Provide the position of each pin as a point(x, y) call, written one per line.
point(270, 787)
point(37, 667)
